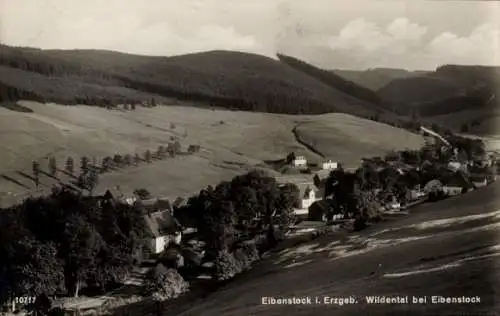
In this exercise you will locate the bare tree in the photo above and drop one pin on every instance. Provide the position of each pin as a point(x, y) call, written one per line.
point(36, 173)
point(147, 156)
point(106, 164)
point(53, 166)
point(118, 160)
point(84, 164)
point(70, 165)
point(127, 159)
point(137, 159)
point(161, 152)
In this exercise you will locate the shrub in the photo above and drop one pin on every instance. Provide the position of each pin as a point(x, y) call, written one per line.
point(226, 266)
point(142, 194)
point(163, 284)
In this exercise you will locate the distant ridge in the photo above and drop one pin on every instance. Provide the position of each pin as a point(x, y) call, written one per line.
point(376, 78)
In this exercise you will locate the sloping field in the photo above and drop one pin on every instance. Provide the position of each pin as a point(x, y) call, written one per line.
point(346, 138)
point(231, 142)
point(448, 248)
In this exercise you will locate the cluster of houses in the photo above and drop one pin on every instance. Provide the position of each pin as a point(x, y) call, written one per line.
point(313, 204)
point(462, 177)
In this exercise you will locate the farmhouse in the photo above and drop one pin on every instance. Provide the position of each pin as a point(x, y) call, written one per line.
point(457, 184)
point(299, 161)
point(479, 181)
point(307, 198)
point(165, 230)
point(329, 165)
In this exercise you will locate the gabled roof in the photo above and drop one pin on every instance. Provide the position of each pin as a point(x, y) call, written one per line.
point(478, 178)
point(459, 179)
point(162, 223)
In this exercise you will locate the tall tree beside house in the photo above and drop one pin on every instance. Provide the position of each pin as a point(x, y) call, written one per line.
point(84, 164)
point(70, 165)
point(81, 248)
point(53, 166)
point(36, 173)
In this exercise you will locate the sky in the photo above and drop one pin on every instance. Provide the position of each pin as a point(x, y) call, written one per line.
point(341, 34)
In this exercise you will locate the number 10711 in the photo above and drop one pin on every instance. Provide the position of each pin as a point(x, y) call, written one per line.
point(24, 299)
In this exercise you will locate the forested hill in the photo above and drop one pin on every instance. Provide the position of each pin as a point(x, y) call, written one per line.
point(221, 78)
point(331, 79)
point(450, 88)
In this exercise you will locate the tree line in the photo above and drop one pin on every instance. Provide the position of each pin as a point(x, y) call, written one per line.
point(88, 177)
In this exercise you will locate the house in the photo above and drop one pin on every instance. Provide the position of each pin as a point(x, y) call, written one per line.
point(307, 198)
point(165, 230)
point(320, 211)
point(457, 184)
point(155, 205)
point(299, 161)
point(479, 181)
point(329, 165)
point(416, 193)
point(454, 165)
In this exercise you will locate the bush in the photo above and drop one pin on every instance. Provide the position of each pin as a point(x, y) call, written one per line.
point(163, 284)
point(142, 194)
point(226, 266)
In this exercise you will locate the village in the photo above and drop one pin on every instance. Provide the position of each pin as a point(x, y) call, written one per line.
point(398, 181)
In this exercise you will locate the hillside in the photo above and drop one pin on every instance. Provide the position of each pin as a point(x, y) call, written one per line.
point(232, 142)
point(375, 78)
point(448, 248)
point(331, 79)
point(225, 79)
point(447, 90)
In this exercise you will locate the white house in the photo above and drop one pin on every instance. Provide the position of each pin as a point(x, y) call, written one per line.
point(454, 165)
point(308, 198)
point(457, 184)
point(479, 181)
point(329, 165)
point(165, 230)
point(299, 161)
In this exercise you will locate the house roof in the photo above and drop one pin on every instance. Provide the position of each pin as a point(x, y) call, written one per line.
point(318, 208)
point(155, 204)
point(459, 179)
point(162, 223)
point(478, 178)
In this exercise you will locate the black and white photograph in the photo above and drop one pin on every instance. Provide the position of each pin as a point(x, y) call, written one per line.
point(265, 157)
